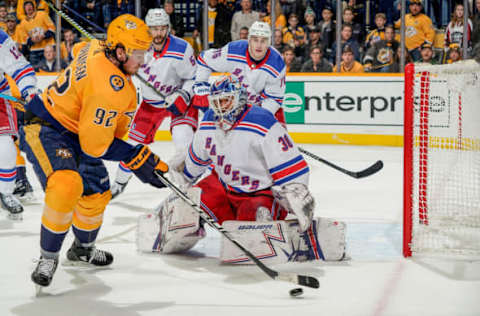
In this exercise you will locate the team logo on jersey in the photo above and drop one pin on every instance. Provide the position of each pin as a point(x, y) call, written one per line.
point(116, 82)
point(63, 153)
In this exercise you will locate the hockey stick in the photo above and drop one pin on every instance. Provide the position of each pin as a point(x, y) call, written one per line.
point(377, 166)
point(304, 280)
point(89, 36)
point(9, 97)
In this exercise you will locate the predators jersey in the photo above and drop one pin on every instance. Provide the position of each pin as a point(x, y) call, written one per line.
point(41, 23)
point(418, 29)
point(93, 99)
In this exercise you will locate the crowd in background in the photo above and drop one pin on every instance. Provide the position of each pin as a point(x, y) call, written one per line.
point(305, 31)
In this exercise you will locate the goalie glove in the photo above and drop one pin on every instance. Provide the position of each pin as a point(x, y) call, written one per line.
point(144, 164)
point(201, 90)
point(296, 199)
point(177, 102)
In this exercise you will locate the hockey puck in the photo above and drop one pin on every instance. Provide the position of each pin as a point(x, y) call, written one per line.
point(296, 292)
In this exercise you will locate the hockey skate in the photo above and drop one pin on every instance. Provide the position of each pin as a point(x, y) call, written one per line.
point(117, 188)
point(23, 190)
point(78, 255)
point(12, 205)
point(43, 273)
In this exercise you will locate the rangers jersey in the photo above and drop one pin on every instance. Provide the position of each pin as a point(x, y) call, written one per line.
point(265, 81)
point(171, 69)
point(254, 155)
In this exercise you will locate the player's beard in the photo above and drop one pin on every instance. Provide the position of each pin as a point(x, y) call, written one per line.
point(158, 41)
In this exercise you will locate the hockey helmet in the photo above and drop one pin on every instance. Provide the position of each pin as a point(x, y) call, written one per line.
point(227, 99)
point(157, 17)
point(129, 31)
point(419, 2)
point(260, 29)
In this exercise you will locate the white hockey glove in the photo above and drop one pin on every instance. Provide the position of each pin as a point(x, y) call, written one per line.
point(296, 199)
point(29, 93)
point(201, 90)
point(178, 102)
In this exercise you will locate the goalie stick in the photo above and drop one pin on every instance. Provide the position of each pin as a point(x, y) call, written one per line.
point(377, 166)
point(89, 36)
point(304, 280)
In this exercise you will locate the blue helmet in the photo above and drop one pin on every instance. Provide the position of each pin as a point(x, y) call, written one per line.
point(227, 99)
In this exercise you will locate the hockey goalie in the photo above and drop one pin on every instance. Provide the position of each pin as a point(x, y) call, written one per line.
point(257, 179)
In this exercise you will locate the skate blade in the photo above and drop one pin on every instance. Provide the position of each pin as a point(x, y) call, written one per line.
point(82, 264)
point(26, 198)
point(15, 217)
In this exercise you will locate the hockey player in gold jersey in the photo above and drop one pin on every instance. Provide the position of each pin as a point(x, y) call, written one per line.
point(77, 122)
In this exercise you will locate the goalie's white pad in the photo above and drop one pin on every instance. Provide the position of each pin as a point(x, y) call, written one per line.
point(296, 199)
point(173, 227)
point(275, 242)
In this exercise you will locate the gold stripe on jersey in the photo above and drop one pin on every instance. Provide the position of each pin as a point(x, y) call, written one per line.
point(32, 137)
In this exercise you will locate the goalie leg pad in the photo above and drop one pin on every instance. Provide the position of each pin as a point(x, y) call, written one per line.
point(323, 240)
point(269, 241)
point(174, 227)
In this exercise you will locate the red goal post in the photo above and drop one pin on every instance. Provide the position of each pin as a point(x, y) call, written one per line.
point(442, 160)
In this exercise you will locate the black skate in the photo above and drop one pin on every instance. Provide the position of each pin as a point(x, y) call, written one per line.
point(13, 206)
point(43, 273)
point(78, 255)
point(117, 188)
point(23, 190)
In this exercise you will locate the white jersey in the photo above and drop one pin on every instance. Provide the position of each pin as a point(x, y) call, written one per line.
point(254, 155)
point(265, 82)
point(15, 65)
point(171, 69)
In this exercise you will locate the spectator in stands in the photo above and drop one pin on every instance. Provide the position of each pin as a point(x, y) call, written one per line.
point(11, 7)
point(454, 31)
point(113, 8)
point(242, 18)
point(3, 16)
point(12, 29)
point(349, 64)
point(40, 5)
point(49, 60)
point(316, 63)
point(177, 27)
point(92, 11)
point(419, 29)
point(380, 57)
point(476, 25)
point(357, 28)
point(454, 53)
point(328, 31)
point(293, 32)
point(346, 39)
point(278, 41)
point(310, 22)
point(219, 22)
point(314, 39)
point(36, 31)
point(291, 61)
point(396, 63)
point(426, 54)
point(243, 34)
point(292, 6)
point(69, 39)
point(377, 34)
point(280, 20)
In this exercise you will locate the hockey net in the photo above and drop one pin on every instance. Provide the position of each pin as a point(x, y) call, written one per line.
point(442, 160)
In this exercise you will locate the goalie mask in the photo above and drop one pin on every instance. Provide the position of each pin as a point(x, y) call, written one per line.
point(227, 99)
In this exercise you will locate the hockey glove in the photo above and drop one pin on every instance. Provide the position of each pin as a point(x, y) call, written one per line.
point(296, 199)
point(177, 102)
point(201, 90)
point(144, 163)
point(29, 93)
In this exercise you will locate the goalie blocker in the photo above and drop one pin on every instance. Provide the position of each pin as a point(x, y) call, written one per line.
point(174, 227)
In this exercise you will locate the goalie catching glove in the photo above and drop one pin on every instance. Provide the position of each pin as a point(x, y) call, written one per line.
point(144, 164)
point(296, 199)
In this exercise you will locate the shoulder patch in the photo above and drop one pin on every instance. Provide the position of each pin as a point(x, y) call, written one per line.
point(237, 47)
point(275, 60)
point(177, 44)
point(117, 82)
point(260, 117)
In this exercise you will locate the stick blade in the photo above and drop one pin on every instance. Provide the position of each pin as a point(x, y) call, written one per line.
point(308, 281)
point(377, 166)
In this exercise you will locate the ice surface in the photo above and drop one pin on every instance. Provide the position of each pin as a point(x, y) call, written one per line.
point(376, 281)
